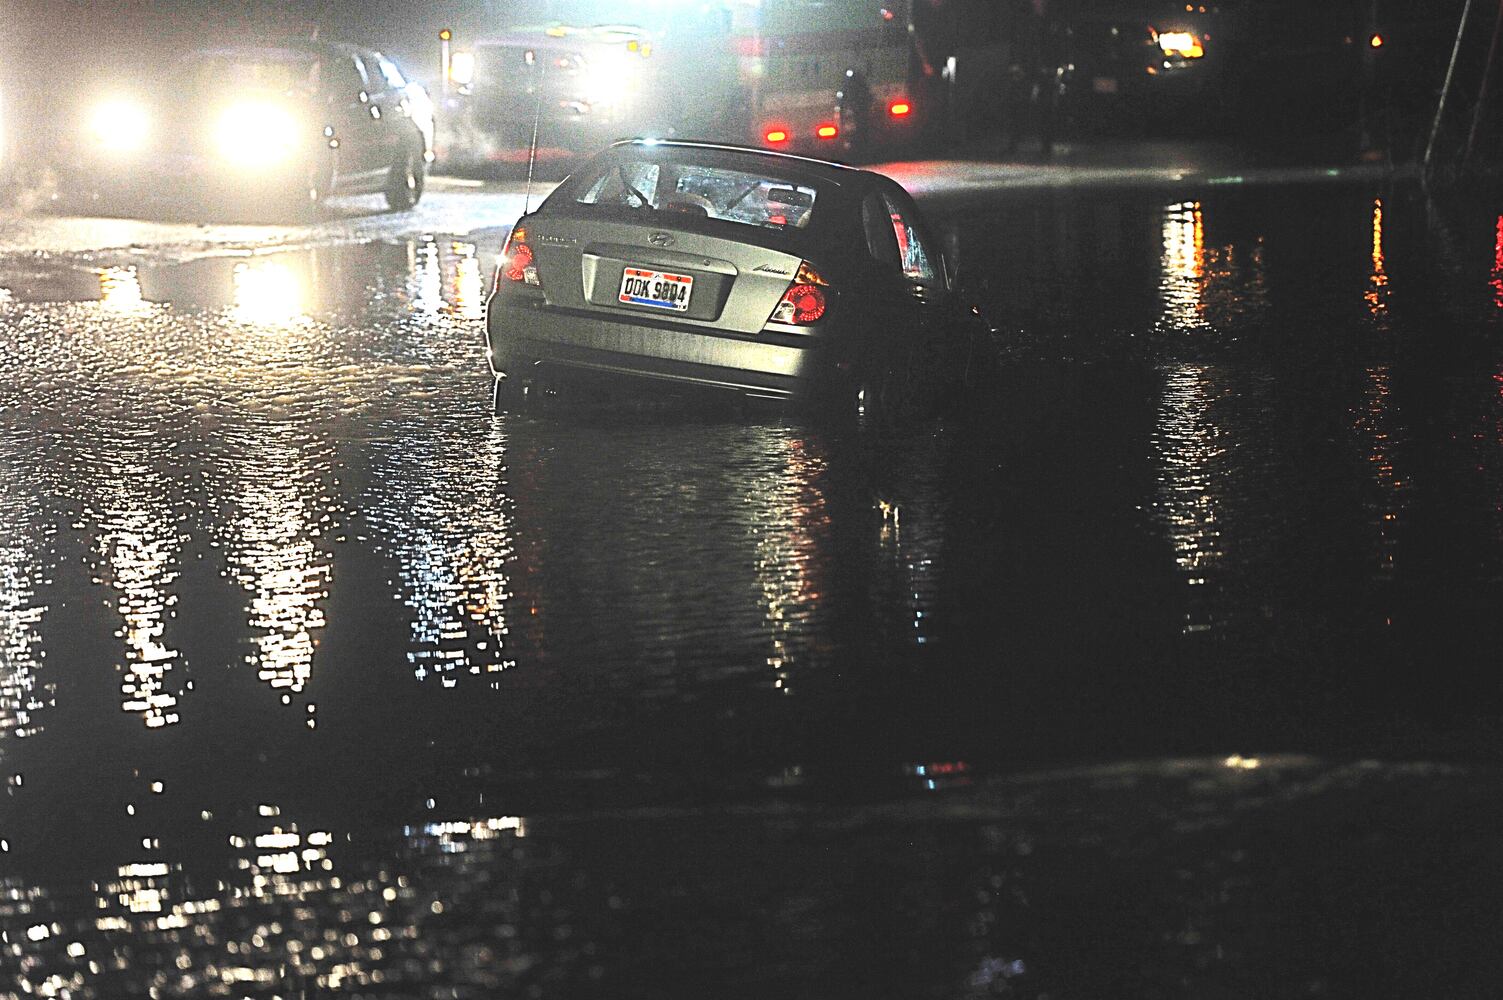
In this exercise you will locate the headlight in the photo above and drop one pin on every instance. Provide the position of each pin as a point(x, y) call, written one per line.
point(258, 135)
point(1180, 45)
point(462, 69)
point(609, 79)
point(120, 126)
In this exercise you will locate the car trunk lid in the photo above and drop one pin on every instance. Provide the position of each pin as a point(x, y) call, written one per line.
point(731, 284)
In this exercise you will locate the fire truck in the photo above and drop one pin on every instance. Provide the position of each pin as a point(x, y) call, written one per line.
point(813, 76)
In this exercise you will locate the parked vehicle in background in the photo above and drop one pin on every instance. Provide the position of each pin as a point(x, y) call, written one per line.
point(276, 127)
point(574, 89)
point(680, 268)
point(1260, 66)
point(1139, 62)
point(794, 75)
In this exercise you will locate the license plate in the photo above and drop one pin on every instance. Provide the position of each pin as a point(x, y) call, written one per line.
point(1104, 85)
point(656, 289)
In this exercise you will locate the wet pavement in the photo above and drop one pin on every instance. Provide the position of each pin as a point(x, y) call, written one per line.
point(1167, 667)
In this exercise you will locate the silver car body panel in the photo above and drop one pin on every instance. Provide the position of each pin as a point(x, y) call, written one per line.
point(737, 285)
point(530, 339)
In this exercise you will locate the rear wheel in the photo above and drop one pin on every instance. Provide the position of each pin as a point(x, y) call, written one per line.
point(404, 183)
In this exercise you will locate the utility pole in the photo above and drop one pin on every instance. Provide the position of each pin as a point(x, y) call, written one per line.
point(1445, 89)
point(1482, 91)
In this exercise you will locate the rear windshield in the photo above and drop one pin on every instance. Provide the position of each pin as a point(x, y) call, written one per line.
point(750, 198)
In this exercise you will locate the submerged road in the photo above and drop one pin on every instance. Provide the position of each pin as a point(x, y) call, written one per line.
point(1169, 670)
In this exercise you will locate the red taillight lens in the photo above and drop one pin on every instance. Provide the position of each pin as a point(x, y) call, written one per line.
point(776, 135)
point(516, 259)
point(804, 302)
point(827, 131)
point(808, 302)
point(898, 109)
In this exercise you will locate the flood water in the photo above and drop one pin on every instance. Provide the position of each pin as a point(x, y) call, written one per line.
point(319, 679)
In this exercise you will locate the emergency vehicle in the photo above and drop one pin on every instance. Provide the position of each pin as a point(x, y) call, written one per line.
point(825, 78)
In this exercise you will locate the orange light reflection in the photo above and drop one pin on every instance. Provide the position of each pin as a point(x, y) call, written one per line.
point(1497, 278)
point(1377, 280)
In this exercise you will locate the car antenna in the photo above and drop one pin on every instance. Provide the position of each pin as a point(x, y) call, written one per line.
point(532, 150)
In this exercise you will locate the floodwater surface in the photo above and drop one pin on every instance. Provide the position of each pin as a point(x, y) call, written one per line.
point(320, 679)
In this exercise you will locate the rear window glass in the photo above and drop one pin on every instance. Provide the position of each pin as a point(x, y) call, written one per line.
point(753, 199)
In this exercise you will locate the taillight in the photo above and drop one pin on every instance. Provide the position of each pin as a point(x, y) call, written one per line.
point(827, 131)
point(900, 109)
point(804, 301)
point(776, 135)
point(516, 259)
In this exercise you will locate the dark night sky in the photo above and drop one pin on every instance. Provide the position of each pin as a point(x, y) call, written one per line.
point(82, 39)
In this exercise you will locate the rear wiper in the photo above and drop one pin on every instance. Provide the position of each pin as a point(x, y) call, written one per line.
point(739, 198)
point(621, 173)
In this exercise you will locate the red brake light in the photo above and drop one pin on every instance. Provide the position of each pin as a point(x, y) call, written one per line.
point(1376, 41)
point(516, 259)
point(804, 301)
point(776, 135)
point(827, 131)
point(808, 303)
point(899, 108)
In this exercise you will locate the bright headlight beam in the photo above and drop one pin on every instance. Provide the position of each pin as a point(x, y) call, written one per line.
point(120, 126)
point(1183, 44)
point(257, 134)
point(462, 68)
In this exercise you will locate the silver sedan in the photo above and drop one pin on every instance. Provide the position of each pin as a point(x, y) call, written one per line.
point(679, 267)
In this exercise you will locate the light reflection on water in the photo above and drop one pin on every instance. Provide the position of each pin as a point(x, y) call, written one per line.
point(1388, 501)
point(789, 513)
point(443, 510)
point(1206, 287)
point(26, 690)
point(275, 513)
point(1201, 437)
point(120, 290)
point(142, 553)
point(1497, 273)
point(447, 279)
point(1190, 447)
point(1184, 266)
point(1377, 281)
point(271, 291)
point(488, 904)
point(139, 538)
point(590, 577)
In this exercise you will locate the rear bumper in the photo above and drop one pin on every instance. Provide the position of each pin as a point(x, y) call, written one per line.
point(532, 342)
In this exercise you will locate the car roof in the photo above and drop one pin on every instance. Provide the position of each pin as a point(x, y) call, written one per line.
point(557, 36)
point(289, 49)
point(826, 170)
point(265, 52)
